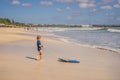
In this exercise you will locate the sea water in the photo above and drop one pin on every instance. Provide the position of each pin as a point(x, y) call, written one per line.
point(106, 38)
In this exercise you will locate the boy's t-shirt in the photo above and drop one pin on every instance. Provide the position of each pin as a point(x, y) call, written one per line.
point(38, 45)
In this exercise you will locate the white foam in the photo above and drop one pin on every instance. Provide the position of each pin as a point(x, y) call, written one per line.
point(64, 40)
point(107, 48)
point(58, 29)
point(113, 30)
point(90, 28)
point(51, 29)
point(98, 47)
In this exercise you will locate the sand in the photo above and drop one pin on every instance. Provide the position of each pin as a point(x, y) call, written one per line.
point(16, 45)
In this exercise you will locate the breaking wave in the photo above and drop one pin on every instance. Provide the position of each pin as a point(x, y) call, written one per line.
point(54, 29)
point(113, 30)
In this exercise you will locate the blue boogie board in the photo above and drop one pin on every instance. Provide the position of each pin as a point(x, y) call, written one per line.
point(68, 60)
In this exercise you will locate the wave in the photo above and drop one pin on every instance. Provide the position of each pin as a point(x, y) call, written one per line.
point(113, 30)
point(100, 47)
point(52, 29)
point(58, 29)
point(91, 28)
point(64, 40)
point(68, 40)
point(107, 48)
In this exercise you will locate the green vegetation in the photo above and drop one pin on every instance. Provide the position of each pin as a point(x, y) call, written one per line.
point(7, 21)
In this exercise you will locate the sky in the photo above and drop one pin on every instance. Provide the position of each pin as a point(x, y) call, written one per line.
point(62, 11)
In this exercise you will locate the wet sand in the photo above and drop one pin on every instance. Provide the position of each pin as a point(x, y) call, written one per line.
point(18, 45)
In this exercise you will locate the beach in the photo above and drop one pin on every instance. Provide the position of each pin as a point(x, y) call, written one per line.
point(17, 44)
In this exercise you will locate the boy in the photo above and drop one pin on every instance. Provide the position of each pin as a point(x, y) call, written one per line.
point(39, 45)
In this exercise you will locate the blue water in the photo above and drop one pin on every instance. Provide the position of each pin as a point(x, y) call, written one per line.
point(105, 38)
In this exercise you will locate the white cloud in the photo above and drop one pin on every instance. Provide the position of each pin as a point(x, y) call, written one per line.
point(26, 4)
point(59, 9)
point(106, 7)
point(116, 5)
point(15, 2)
point(68, 8)
point(65, 1)
point(86, 5)
point(93, 10)
point(83, 1)
point(46, 3)
point(63, 9)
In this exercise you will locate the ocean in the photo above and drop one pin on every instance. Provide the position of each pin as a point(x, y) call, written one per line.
point(104, 38)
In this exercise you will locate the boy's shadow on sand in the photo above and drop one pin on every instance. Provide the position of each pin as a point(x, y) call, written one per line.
point(31, 58)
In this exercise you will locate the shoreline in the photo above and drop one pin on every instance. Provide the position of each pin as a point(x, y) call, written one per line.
point(88, 45)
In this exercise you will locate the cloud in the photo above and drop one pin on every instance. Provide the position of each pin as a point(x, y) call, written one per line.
point(59, 9)
point(106, 7)
point(68, 8)
point(83, 1)
point(26, 4)
point(63, 9)
point(15, 2)
point(116, 5)
point(46, 3)
point(65, 1)
point(86, 5)
point(93, 10)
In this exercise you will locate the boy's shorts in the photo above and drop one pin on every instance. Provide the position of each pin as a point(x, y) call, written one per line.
point(39, 48)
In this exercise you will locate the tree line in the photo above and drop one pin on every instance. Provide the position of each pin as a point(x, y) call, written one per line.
point(7, 21)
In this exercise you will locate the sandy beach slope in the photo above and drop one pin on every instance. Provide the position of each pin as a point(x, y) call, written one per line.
point(16, 45)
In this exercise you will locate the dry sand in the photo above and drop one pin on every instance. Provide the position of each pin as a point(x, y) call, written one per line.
point(16, 44)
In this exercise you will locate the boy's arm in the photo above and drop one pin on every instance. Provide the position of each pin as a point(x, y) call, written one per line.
point(41, 45)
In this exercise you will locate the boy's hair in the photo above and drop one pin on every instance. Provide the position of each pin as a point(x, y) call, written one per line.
point(38, 37)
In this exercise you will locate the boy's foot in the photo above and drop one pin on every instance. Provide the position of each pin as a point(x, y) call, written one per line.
point(41, 60)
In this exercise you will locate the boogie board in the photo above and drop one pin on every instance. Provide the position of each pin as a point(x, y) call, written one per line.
point(68, 60)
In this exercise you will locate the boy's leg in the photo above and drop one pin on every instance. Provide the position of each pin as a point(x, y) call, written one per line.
point(40, 54)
